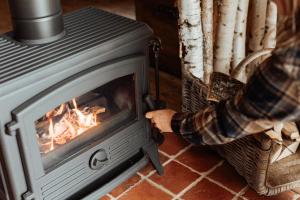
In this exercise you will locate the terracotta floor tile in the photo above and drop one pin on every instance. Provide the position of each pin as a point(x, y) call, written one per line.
point(124, 186)
point(252, 195)
point(173, 144)
point(145, 191)
point(199, 158)
point(105, 198)
point(228, 176)
point(206, 190)
point(149, 167)
point(175, 178)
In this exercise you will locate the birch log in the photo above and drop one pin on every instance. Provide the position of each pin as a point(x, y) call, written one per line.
point(207, 24)
point(269, 40)
point(226, 25)
point(258, 23)
point(257, 30)
point(191, 37)
point(239, 41)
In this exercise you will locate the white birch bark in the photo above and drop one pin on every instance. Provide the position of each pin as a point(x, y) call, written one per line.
point(191, 37)
point(224, 43)
point(207, 24)
point(269, 40)
point(258, 24)
point(257, 31)
point(239, 41)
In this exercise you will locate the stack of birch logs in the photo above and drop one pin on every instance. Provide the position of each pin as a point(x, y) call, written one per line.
point(213, 34)
point(231, 37)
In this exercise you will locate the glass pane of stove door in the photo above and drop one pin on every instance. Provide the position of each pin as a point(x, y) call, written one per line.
point(72, 126)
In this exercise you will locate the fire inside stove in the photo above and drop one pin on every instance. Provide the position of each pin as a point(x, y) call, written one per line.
point(77, 123)
point(63, 124)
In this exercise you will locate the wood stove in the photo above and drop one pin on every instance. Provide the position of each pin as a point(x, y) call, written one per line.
point(72, 112)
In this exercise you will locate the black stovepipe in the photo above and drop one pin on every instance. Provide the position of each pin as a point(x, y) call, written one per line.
point(36, 21)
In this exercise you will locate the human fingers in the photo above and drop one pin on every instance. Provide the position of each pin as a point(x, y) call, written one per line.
point(149, 115)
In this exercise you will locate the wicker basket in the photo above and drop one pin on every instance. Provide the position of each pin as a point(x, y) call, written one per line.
point(250, 155)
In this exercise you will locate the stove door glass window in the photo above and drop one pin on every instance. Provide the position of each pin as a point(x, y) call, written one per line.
point(72, 126)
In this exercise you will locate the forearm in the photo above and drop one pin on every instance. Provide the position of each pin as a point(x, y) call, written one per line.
point(202, 127)
point(272, 94)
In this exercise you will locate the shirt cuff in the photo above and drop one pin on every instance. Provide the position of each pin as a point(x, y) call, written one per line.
point(177, 121)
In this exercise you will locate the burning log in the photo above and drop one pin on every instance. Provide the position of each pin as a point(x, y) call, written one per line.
point(64, 124)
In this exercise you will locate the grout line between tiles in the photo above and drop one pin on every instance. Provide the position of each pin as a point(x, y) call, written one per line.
point(143, 177)
point(240, 193)
point(178, 154)
point(111, 197)
point(244, 198)
point(160, 187)
point(221, 185)
point(202, 176)
point(190, 168)
point(131, 187)
point(171, 158)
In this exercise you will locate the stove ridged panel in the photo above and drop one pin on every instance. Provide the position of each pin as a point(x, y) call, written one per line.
point(67, 180)
point(86, 28)
point(119, 149)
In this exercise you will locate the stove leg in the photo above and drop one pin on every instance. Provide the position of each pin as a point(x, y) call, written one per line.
point(151, 150)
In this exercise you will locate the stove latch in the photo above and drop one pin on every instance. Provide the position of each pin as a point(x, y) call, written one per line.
point(99, 159)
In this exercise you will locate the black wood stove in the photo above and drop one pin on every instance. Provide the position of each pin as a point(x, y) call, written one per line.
point(71, 101)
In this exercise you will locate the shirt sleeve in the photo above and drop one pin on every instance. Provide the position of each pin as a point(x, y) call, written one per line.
point(271, 94)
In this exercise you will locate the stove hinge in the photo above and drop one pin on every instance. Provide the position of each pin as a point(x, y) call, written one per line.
point(11, 128)
point(28, 196)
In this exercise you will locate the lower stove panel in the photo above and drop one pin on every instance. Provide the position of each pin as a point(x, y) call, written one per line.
point(119, 149)
point(110, 180)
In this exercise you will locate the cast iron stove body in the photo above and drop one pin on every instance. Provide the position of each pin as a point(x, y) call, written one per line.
point(72, 120)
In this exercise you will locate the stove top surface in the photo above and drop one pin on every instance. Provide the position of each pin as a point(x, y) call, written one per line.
point(86, 29)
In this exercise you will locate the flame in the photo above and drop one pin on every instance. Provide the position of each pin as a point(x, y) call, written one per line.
point(51, 133)
point(66, 124)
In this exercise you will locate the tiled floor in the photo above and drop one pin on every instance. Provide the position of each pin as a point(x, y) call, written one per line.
point(191, 173)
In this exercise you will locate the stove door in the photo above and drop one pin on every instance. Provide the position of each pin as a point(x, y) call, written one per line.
point(78, 113)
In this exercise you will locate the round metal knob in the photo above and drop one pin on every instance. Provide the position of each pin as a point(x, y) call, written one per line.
point(98, 160)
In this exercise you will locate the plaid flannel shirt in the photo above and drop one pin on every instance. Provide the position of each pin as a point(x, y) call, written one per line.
point(272, 94)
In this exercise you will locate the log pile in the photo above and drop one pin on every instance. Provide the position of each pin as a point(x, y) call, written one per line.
point(232, 37)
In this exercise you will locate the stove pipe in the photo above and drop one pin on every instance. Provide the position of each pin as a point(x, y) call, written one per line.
point(37, 21)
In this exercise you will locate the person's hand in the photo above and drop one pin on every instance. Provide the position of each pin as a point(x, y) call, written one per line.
point(161, 119)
